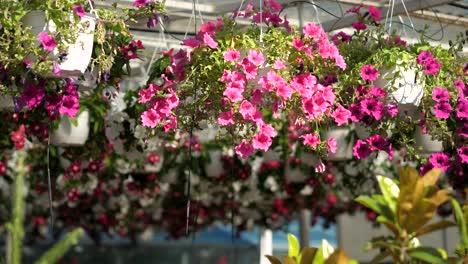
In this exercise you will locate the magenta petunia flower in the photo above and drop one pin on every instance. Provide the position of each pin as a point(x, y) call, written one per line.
point(341, 115)
point(423, 57)
point(69, 105)
point(250, 69)
point(311, 140)
point(279, 65)
point(284, 91)
point(392, 109)
point(463, 154)
point(244, 149)
point(32, 95)
point(375, 13)
point(79, 10)
point(274, 6)
point(369, 73)
point(461, 87)
point(340, 37)
point(150, 118)
point(361, 150)
point(463, 131)
point(231, 55)
point(426, 168)
point(56, 69)
point(225, 118)
point(191, 42)
point(140, 3)
point(355, 9)
point(314, 31)
point(359, 25)
point(440, 94)
point(247, 110)
point(462, 108)
point(442, 110)
point(373, 107)
point(48, 42)
point(357, 112)
point(431, 67)
point(440, 160)
point(377, 142)
point(257, 97)
point(377, 92)
point(233, 94)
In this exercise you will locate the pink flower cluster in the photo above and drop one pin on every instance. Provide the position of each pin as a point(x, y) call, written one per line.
point(161, 102)
point(66, 103)
point(269, 14)
point(130, 51)
point(362, 149)
point(430, 64)
point(370, 105)
point(442, 108)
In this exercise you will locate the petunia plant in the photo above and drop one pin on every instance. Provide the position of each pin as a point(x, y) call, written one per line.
point(248, 80)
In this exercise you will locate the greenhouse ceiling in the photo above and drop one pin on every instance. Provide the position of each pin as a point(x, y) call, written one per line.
point(443, 19)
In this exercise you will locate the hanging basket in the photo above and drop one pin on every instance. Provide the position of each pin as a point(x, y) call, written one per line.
point(69, 135)
point(6, 103)
point(427, 143)
point(79, 53)
point(344, 148)
point(407, 88)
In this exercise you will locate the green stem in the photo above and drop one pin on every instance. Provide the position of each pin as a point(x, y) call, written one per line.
point(16, 227)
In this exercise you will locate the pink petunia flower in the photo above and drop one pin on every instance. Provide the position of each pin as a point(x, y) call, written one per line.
point(311, 140)
point(442, 110)
point(79, 10)
point(233, 94)
point(274, 6)
point(431, 67)
point(463, 131)
point(244, 149)
point(340, 37)
point(377, 142)
point(377, 92)
point(331, 144)
point(440, 94)
point(392, 109)
point(284, 91)
point(48, 42)
point(32, 95)
point(423, 57)
point(440, 160)
point(361, 150)
point(247, 110)
point(150, 118)
point(256, 57)
point(298, 43)
point(225, 118)
point(314, 31)
point(69, 106)
point(375, 13)
point(191, 42)
point(231, 55)
point(341, 115)
point(250, 69)
point(209, 41)
point(369, 73)
point(56, 69)
point(140, 3)
point(373, 107)
point(279, 65)
point(261, 141)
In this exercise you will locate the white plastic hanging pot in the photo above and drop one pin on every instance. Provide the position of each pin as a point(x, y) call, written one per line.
point(79, 53)
point(344, 149)
point(428, 144)
point(69, 135)
point(6, 103)
point(215, 167)
point(404, 85)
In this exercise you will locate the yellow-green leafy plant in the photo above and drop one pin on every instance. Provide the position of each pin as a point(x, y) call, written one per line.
point(461, 216)
point(405, 209)
point(324, 254)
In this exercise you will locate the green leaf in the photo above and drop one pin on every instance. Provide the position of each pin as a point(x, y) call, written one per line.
point(60, 248)
point(293, 246)
point(381, 256)
point(390, 191)
point(369, 203)
point(459, 217)
point(307, 255)
point(433, 227)
point(273, 259)
point(427, 254)
point(323, 253)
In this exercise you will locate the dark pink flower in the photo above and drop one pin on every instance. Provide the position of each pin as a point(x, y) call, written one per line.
point(357, 112)
point(463, 154)
point(463, 131)
point(150, 118)
point(377, 92)
point(48, 42)
point(261, 141)
point(191, 42)
point(340, 37)
point(314, 31)
point(32, 95)
point(375, 13)
point(361, 150)
point(79, 10)
point(462, 108)
point(377, 142)
point(424, 56)
point(209, 41)
point(244, 150)
point(273, 5)
point(426, 168)
point(373, 107)
point(392, 109)
point(431, 67)
point(56, 69)
point(3, 168)
point(440, 94)
point(369, 73)
point(69, 105)
point(461, 87)
point(355, 9)
point(140, 3)
point(18, 137)
point(442, 110)
point(440, 160)
point(359, 25)
point(331, 144)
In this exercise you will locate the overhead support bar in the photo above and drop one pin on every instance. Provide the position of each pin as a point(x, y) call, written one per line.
point(399, 9)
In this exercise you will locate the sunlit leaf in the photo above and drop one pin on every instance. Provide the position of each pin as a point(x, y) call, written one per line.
point(426, 254)
point(323, 252)
point(293, 246)
point(459, 217)
point(338, 257)
point(307, 255)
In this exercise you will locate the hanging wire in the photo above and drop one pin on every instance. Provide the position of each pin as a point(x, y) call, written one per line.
point(294, 3)
point(238, 11)
point(407, 13)
point(49, 182)
point(261, 21)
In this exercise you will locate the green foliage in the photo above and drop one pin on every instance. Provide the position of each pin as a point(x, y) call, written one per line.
point(406, 210)
point(60, 248)
point(323, 255)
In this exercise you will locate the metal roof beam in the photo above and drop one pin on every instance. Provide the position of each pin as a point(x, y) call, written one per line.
point(411, 5)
